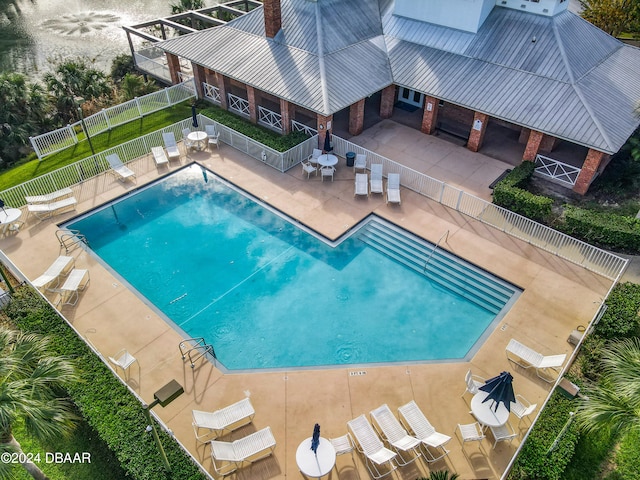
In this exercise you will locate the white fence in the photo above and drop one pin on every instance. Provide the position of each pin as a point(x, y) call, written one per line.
point(211, 92)
point(587, 256)
point(52, 142)
point(238, 104)
point(301, 127)
point(270, 119)
point(556, 170)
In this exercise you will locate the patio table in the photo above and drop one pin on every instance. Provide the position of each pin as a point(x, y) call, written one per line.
point(198, 138)
point(486, 412)
point(317, 464)
point(328, 160)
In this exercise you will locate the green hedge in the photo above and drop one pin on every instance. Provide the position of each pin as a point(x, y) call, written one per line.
point(278, 142)
point(534, 462)
point(105, 403)
point(621, 317)
point(509, 193)
point(604, 229)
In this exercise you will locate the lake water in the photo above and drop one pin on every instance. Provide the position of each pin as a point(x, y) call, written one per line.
point(33, 33)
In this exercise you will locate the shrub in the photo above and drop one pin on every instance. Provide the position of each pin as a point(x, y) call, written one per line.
point(604, 229)
point(535, 461)
point(621, 317)
point(106, 404)
point(274, 140)
point(509, 193)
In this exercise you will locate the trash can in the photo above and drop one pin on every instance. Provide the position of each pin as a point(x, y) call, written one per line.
point(350, 156)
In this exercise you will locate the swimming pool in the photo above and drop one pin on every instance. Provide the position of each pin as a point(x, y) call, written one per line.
point(266, 293)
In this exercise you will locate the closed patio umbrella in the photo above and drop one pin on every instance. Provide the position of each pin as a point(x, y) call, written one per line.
point(315, 439)
point(194, 116)
point(500, 390)
point(327, 142)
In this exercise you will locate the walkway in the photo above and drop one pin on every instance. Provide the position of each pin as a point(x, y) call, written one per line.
point(557, 297)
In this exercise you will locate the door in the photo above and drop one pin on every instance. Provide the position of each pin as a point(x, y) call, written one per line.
point(411, 97)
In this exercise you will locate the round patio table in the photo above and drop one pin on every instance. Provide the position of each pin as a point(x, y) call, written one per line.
point(8, 216)
point(317, 464)
point(328, 160)
point(486, 412)
point(198, 137)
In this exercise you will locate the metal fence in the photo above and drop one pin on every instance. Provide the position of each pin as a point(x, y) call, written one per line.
point(57, 140)
point(576, 251)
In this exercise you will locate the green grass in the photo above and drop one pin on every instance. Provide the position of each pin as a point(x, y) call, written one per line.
point(103, 465)
point(31, 167)
point(592, 452)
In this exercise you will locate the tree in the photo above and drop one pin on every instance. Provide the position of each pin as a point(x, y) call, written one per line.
point(186, 5)
point(32, 390)
point(74, 79)
point(24, 112)
point(120, 66)
point(612, 16)
point(613, 405)
point(135, 86)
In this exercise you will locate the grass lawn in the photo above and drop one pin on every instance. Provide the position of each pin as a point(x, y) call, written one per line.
point(31, 167)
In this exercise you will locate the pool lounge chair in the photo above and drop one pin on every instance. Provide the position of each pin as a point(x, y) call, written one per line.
point(222, 421)
point(118, 168)
point(376, 178)
point(45, 210)
point(50, 197)
point(227, 457)
point(61, 266)
point(159, 156)
point(362, 186)
point(393, 188)
point(171, 145)
point(394, 433)
point(412, 417)
point(527, 358)
point(360, 162)
point(370, 445)
point(76, 282)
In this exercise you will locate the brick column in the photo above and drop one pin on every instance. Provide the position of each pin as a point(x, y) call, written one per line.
point(222, 83)
point(356, 117)
point(524, 135)
point(288, 112)
point(589, 168)
point(533, 146)
point(173, 62)
point(323, 124)
point(387, 100)
point(429, 115)
point(478, 128)
point(199, 77)
point(252, 98)
point(548, 143)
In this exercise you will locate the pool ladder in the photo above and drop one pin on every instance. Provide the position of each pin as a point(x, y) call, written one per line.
point(195, 349)
point(445, 235)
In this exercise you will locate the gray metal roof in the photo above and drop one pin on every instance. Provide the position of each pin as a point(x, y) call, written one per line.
point(574, 81)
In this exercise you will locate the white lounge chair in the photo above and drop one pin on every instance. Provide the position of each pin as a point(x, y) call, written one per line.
point(327, 172)
point(213, 136)
point(473, 382)
point(224, 420)
point(171, 146)
point(393, 188)
point(76, 282)
point(313, 158)
point(50, 197)
point(416, 422)
point(118, 168)
point(370, 445)
point(360, 162)
point(45, 210)
point(362, 186)
point(227, 457)
point(185, 138)
point(61, 266)
point(394, 433)
point(308, 168)
point(527, 357)
point(502, 433)
point(376, 178)
point(159, 156)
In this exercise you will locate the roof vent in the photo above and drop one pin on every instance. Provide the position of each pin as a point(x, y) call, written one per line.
point(504, 2)
point(533, 39)
point(523, 6)
point(545, 10)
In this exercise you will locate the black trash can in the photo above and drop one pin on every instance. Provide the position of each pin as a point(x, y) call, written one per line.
point(350, 156)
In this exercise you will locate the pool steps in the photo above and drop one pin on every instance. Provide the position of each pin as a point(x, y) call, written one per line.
point(442, 267)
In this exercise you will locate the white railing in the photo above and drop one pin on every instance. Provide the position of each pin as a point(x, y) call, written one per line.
point(211, 92)
point(587, 256)
point(184, 76)
point(238, 104)
point(270, 119)
point(301, 127)
point(153, 61)
point(556, 170)
point(57, 140)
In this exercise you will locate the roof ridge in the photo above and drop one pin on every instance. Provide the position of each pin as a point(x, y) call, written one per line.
point(323, 74)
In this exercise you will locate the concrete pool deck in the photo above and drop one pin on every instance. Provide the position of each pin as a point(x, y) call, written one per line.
point(557, 297)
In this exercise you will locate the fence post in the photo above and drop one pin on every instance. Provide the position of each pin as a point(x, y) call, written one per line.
point(166, 91)
point(139, 107)
point(106, 118)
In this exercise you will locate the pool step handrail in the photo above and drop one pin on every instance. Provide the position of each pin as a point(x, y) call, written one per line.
point(70, 239)
point(195, 348)
point(445, 235)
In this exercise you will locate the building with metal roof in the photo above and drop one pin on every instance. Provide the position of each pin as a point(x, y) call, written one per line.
point(531, 65)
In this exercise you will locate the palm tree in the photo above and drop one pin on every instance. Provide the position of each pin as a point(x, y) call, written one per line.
point(32, 390)
point(613, 405)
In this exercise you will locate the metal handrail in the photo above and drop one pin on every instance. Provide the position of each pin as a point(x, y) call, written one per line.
point(445, 234)
point(192, 346)
point(70, 239)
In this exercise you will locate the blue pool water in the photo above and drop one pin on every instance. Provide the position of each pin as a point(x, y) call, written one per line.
point(267, 294)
